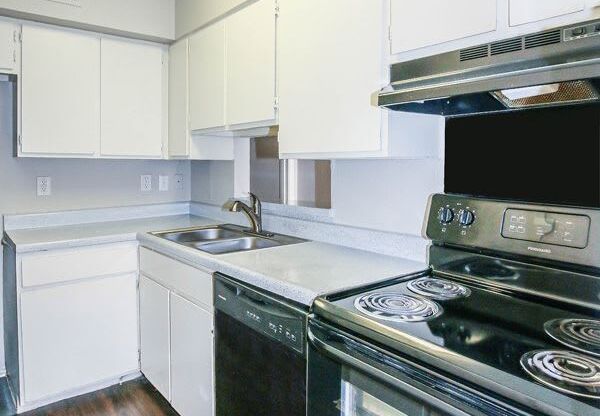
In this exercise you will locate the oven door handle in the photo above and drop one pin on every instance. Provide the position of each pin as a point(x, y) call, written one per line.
point(382, 376)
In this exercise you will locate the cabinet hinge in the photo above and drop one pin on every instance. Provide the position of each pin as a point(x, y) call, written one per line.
point(276, 103)
point(20, 36)
point(276, 9)
point(389, 32)
point(20, 141)
point(140, 357)
point(14, 56)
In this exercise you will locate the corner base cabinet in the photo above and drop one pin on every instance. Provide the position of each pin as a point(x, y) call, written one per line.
point(71, 321)
point(176, 332)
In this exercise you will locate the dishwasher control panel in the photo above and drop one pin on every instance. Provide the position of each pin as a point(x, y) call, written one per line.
point(269, 316)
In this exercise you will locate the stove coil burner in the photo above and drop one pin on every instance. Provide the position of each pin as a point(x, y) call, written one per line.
point(580, 334)
point(565, 371)
point(438, 289)
point(397, 307)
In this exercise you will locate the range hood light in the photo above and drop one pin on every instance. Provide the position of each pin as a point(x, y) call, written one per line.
point(570, 92)
point(527, 92)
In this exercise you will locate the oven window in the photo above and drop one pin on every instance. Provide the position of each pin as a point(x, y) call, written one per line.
point(361, 395)
point(358, 402)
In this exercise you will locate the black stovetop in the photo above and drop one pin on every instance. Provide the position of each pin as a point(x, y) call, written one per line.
point(481, 336)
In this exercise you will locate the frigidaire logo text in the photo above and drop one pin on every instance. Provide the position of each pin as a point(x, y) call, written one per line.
point(540, 250)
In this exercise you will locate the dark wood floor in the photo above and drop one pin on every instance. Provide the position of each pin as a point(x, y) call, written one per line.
point(133, 398)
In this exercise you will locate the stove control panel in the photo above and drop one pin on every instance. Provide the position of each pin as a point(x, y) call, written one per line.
point(558, 233)
point(547, 227)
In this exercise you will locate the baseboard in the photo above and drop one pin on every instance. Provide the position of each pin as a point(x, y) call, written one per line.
point(80, 391)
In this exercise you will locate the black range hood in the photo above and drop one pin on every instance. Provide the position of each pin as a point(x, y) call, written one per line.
point(550, 68)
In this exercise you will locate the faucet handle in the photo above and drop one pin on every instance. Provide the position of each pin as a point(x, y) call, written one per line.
point(255, 203)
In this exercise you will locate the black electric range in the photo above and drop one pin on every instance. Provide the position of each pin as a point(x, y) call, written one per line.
point(506, 322)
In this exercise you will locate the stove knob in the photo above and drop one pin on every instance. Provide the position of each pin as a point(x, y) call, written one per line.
point(446, 215)
point(466, 217)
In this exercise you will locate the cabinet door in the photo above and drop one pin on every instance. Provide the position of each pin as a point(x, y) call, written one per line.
point(75, 335)
point(8, 41)
point(154, 334)
point(132, 99)
point(191, 358)
point(417, 24)
point(179, 129)
point(60, 92)
point(328, 74)
point(528, 11)
point(207, 78)
point(250, 65)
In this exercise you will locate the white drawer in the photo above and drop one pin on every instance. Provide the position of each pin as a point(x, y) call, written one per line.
point(78, 263)
point(186, 280)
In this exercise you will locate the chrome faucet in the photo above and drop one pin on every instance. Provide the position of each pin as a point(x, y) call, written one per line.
point(253, 213)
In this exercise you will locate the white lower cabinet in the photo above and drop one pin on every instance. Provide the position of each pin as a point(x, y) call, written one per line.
point(176, 331)
point(77, 334)
point(74, 329)
point(154, 335)
point(191, 358)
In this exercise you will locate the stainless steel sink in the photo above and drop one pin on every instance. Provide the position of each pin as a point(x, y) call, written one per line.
point(199, 235)
point(238, 244)
point(228, 238)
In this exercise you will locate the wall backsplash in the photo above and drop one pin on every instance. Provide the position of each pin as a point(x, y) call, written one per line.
point(385, 195)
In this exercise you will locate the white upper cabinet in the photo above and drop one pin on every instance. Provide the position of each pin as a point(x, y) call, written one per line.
point(179, 129)
point(8, 46)
point(132, 99)
point(207, 78)
point(528, 11)
point(60, 92)
point(251, 46)
point(330, 64)
point(417, 24)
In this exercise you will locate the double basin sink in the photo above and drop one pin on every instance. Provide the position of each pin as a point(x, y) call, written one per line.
point(228, 238)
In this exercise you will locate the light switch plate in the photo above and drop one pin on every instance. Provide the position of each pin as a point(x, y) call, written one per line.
point(44, 186)
point(146, 183)
point(163, 183)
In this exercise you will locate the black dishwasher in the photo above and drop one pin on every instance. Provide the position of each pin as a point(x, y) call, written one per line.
point(260, 352)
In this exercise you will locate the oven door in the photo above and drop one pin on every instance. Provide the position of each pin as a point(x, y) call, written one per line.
point(348, 377)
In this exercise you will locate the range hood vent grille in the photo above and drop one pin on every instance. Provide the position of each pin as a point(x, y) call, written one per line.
point(474, 53)
point(511, 45)
point(506, 46)
point(542, 39)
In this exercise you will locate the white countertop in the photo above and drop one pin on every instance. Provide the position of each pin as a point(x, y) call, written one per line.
point(299, 272)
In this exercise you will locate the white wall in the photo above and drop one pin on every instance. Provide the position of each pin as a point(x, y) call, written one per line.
point(387, 195)
point(146, 18)
point(192, 14)
point(212, 181)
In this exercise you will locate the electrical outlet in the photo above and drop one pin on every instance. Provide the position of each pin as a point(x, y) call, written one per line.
point(179, 182)
point(163, 183)
point(146, 183)
point(44, 186)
